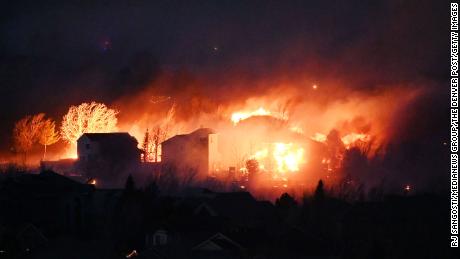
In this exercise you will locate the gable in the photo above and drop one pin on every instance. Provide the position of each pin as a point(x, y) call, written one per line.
point(218, 242)
point(205, 209)
point(210, 246)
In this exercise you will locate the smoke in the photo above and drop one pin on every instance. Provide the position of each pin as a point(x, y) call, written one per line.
point(378, 69)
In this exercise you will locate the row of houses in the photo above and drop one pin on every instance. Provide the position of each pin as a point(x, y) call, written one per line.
point(110, 157)
point(51, 216)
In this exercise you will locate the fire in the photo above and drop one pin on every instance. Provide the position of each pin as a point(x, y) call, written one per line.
point(261, 154)
point(348, 140)
point(239, 116)
point(70, 152)
point(352, 138)
point(319, 137)
point(297, 129)
point(285, 157)
point(288, 158)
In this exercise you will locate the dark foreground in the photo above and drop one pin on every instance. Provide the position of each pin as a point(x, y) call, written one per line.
point(50, 216)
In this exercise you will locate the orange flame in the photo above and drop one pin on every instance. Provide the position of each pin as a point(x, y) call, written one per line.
point(286, 157)
point(352, 138)
point(242, 115)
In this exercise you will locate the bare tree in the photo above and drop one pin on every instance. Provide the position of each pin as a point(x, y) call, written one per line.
point(26, 132)
point(160, 134)
point(146, 146)
point(47, 135)
point(87, 117)
point(155, 142)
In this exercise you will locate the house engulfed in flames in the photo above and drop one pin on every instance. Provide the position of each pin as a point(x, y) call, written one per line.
point(257, 146)
point(203, 153)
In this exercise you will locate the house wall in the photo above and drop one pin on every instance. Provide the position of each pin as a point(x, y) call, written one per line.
point(213, 153)
point(87, 149)
point(108, 158)
point(192, 152)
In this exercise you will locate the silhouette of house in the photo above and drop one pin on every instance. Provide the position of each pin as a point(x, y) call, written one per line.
point(196, 151)
point(192, 245)
point(50, 201)
point(240, 208)
point(25, 237)
point(94, 146)
point(61, 166)
point(107, 157)
point(218, 242)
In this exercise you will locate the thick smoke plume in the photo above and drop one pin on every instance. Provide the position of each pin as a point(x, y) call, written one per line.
point(366, 68)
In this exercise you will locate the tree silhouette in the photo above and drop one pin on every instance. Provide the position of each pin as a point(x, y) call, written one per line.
point(285, 201)
point(319, 192)
point(161, 133)
point(145, 146)
point(151, 190)
point(129, 185)
point(252, 165)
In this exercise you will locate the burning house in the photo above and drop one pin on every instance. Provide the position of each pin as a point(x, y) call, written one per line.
point(196, 152)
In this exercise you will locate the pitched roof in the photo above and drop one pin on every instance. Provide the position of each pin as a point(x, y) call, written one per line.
point(218, 242)
point(47, 183)
point(239, 206)
point(199, 133)
point(202, 132)
point(107, 136)
point(172, 139)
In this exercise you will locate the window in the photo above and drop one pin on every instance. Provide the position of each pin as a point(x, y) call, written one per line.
point(87, 146)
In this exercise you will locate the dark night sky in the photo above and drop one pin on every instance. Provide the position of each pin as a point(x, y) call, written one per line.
point(57, 53)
